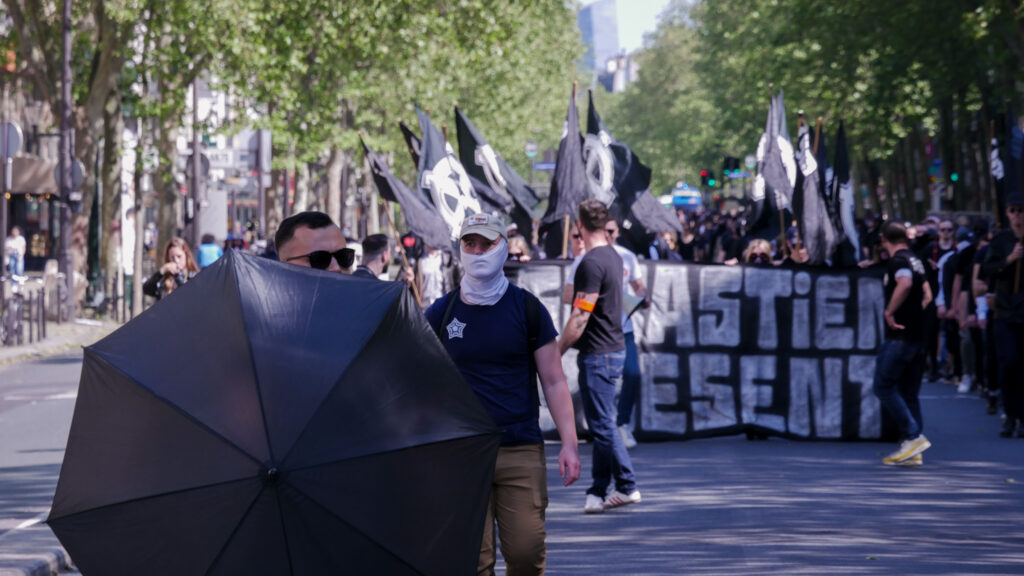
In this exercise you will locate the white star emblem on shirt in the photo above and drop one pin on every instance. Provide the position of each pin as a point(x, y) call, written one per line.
point(455, 328)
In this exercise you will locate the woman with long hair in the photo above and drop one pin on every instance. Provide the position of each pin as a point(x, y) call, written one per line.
point(178, 268)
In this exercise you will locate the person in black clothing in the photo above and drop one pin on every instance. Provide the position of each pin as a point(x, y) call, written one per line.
point(1003, 265)
point(982, 291)
point(178, 268)
point(931, 256)
point(375, 257)
point(900, 360)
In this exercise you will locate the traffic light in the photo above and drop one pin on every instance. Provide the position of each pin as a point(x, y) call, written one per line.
point(412, 245)
point(704, 178)
point(954, 176)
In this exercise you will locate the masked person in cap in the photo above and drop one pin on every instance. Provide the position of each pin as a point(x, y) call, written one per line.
point(312, 239)
point(500, 336)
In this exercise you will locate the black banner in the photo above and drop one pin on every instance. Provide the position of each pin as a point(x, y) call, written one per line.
point(726, 349)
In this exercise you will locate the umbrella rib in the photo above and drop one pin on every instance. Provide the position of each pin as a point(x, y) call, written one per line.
point(100, 356)
point(354, 456)
point(256, 375)
point(231, 537)
point(356, 529)
point(383, 295)
point(150, 497)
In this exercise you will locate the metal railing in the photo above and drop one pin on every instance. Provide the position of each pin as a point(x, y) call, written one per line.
point(23, 315)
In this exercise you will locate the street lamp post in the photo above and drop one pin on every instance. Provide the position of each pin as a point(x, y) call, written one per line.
point(67, 305)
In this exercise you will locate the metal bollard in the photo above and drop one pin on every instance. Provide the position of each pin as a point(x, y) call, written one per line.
point(31, 314)
point(42, 312)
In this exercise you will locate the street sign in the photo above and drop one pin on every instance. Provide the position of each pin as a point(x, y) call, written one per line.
point(77, 176)
point(531, 149)
point(222, 158)
point(738, 174)
point(10, 147)
point(544, 166)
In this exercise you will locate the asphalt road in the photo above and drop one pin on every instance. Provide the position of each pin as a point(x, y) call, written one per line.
point(719, 506)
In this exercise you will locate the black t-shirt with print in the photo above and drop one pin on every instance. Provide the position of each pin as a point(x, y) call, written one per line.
point(910, 315)
point(600, 271)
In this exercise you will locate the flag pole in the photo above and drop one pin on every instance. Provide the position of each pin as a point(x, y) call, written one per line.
point(817, 135)
point(398, 242)
point(565, 224)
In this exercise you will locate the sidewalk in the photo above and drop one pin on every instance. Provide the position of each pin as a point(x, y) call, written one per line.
point(59, 338)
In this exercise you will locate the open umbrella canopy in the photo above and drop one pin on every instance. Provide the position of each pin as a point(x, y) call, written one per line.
point(273, 419)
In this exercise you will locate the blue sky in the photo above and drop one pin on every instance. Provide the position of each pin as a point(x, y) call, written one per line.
point(635, 18)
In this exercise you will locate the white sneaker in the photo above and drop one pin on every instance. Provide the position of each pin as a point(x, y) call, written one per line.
point(616, 499)
point(908, 449)
point(593, 505)
point(627, 437)
point(965, 384)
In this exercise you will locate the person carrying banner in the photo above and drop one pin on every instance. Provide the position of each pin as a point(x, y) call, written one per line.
point(900, 362)
point(1003, 266)
point(595, 329)
point(501, 337)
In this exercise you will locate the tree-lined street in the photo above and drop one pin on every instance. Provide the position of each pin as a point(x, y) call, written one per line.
point(719, 506)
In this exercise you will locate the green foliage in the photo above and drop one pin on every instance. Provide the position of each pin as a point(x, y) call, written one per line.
point(886, 68)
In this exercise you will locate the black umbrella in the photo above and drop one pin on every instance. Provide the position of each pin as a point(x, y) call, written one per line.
point(272, 419)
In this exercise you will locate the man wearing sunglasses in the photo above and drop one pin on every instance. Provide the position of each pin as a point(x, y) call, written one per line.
point(312, 239)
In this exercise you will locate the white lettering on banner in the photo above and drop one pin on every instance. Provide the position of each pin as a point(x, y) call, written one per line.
point(723, 327)
point(830, 314)
point(660, 401)
point(757, 374)
point(809, 395)
point(723, 348)
point(712, 399)
point(862, 374)
point(767, 285)
point(871, 319)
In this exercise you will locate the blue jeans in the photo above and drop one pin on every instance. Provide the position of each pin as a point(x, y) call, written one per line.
point(16, 265)
point(599, 374)
point(630, 382)
point(898, 371)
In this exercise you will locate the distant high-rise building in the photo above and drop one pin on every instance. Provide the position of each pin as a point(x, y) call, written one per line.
point(600, 30)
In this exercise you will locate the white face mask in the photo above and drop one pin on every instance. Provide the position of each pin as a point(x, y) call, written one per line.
point(484, 282)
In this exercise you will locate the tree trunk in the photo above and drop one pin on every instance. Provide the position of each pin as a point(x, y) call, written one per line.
point(335, 164)
point(113, 134)
point(947, 145)
point(139, 218)
point(301, 188)
point(169, 219)
point(273, 204)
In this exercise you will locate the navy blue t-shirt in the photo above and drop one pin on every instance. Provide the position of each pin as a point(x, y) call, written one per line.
point(490, 346)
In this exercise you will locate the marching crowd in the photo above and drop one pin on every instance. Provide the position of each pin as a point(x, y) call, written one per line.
point(954, 309)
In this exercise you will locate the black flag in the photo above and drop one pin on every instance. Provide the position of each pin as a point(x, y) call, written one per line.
point(422, 218)
point(443, 181)
point(816, 228)
point(842, 200)
point(484, 164)
point(412, 141)
point(568, 184)
point(1006, 163)
point(617, 177)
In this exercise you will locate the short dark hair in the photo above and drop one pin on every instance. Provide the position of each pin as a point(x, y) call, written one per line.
point(208, 239)
point(374, 245)
point(593, 214)
point(894, 232)
point(312, 220)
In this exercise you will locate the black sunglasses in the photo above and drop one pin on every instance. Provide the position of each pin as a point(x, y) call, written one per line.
point(321, 259)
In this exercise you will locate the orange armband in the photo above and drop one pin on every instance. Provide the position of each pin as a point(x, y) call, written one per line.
point(583, 305)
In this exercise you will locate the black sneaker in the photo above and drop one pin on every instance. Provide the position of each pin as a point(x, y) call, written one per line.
point(1007, 429)
point(993, 404)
